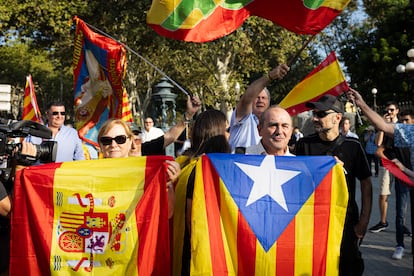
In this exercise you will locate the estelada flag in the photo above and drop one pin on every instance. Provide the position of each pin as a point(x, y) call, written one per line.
point(31, 110)
point(326, 78)
point(94, 217)
point(265, 215)
point(99, 64)
point(201, 20)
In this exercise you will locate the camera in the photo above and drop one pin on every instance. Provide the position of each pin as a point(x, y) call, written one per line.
point(45, 152)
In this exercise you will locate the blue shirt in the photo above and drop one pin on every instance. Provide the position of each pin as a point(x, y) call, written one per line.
point(404, 137)
point(243, 133)
point(370, 146)
point(69, 145)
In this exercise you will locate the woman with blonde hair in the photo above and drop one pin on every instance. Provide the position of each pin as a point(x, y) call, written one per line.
point(116, 140)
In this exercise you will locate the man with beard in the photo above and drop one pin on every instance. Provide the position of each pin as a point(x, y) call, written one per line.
point(327, 115)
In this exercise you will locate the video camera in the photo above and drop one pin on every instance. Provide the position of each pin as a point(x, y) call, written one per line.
point(45, 152)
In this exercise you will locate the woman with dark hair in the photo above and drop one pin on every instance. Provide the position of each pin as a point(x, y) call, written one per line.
point(209, 135)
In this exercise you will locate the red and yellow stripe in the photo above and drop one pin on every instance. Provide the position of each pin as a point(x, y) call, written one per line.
point(224, 243)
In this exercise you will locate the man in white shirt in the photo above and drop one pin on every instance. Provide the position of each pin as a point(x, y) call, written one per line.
point(256, 99)
point(150, 132)
point(275, 127)
point(346, 128)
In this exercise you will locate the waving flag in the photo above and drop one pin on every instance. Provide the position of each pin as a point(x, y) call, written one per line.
point(206, 20)
point(98, 65)
point(126, 109)
point(31, 110)
point(392, 168)
point(327, 78)
point(111, 222)
point(265, 215)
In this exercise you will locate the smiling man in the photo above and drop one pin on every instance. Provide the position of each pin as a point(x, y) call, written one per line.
point(327, 115)
point(69, 145)
point(245, 118)
point(275, 128)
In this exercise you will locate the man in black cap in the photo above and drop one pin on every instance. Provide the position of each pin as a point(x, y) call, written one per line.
point(327, 115)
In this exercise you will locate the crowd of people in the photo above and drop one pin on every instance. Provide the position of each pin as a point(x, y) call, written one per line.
point(257, 128)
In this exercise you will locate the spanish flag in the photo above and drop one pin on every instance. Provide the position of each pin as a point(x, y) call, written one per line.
point(327, 78)
point(31, 110)
point(95, 217)
point(265, 215)
point(206, 20)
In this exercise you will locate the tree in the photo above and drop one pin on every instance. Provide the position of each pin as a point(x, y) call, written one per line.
point(375, 48)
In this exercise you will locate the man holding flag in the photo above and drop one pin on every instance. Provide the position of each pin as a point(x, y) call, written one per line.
point(245, 118)
point(327, 115)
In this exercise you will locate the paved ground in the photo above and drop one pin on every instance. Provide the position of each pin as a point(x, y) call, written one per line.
point(377, 248)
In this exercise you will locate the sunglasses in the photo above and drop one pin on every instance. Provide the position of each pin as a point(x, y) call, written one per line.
point(55, 113)
point(390, 109)
point(321, 114)
point(106, 141)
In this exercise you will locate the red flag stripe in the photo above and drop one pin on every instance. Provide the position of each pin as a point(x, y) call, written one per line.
point(32, 216)
point(211, 184)
point(152, 223)
point(246, 247)
point(321, 224)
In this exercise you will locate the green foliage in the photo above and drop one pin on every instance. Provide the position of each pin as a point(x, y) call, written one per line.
point(210, 70)
point(375, 48)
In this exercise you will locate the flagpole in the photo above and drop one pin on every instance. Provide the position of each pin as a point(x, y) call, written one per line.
point(297, 54)
point(144, 59)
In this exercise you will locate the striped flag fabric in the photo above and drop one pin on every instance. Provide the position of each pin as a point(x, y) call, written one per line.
point(126, 108)
point(114, 221)
point(326, 78)
point(202, 21)
point(99, 64)
point(397, 172)
point(265, 215)
point(31, 111)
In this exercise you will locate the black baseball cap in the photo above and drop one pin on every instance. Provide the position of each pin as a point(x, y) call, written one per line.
point(327, 102)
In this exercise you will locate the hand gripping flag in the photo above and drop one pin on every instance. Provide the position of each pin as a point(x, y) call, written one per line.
point(31, 110)
point(265, 215)
point(95, 217)
point(392, 168)
point(327, 78)
point(206, 20)
point(98, 65)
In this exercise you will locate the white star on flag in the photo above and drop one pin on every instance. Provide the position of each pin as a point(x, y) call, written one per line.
point(268, 180)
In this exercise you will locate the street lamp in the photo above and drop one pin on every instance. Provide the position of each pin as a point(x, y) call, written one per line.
point(374, 92)
point(408, 68)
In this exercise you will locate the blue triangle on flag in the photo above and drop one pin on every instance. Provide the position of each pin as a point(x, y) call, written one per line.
point(266, 217)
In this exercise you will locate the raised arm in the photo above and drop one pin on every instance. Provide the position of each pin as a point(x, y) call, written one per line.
point(193, 105)
point(373, 116)
point(245, 105)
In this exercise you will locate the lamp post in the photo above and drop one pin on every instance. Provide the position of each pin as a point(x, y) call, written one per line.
point(374, 92)
point(409, 69)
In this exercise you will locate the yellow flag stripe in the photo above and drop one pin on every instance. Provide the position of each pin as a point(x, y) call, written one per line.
point(106, 205)
point(309, 88)
point(304, 232)
point(199, 227)
point(339, 203)
point(229, 216)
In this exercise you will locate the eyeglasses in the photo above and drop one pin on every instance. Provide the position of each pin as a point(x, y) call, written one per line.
point(321, 114)
point(106, 141)
point(148, 122)
point(55, 113)
point(390, 109)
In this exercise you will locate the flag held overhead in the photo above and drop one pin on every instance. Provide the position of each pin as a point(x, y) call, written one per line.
point(326, 78)
point(206, 20)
